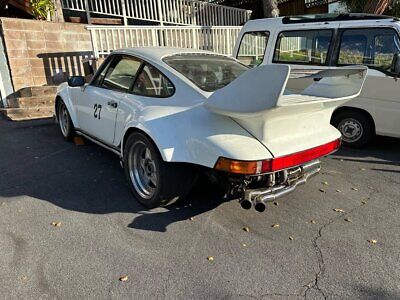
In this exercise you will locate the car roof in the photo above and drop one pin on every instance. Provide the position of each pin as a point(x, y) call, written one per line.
point(156, 54)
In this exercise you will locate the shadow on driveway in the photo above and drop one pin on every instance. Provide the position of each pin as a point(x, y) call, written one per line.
point(38, 163)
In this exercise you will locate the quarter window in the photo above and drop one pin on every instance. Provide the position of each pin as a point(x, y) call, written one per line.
point(150, 82)
point(373, 47)
point(121, 74)
point(252, 48)
point(303, 47)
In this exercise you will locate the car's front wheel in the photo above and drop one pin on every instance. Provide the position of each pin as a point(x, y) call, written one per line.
point(154, 182)
point(356, 128)
point(64, 121)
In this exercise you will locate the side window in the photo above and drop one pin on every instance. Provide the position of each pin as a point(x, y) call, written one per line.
point(252, 48)
point(121, 73)
point(98, 77)
point(303, 47)
point(150, 82)
point(373, 47)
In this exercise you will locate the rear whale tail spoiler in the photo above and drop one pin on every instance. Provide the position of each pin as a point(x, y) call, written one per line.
point(286, 122)
point(263, 88)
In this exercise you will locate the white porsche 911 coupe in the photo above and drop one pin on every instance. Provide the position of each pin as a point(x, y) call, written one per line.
point(172, 113)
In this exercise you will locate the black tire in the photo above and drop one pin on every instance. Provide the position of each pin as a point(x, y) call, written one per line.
point(169, 182)
point(67, 128)
point(356, 128)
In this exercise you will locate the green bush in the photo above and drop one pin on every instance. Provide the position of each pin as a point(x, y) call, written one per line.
point(42, 8)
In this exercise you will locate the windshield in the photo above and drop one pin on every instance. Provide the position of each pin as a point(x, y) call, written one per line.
point(209, 72)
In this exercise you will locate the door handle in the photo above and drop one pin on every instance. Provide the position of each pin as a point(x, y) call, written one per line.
point(112, 104)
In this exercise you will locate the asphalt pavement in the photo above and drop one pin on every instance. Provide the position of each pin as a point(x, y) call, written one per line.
point(70, 229)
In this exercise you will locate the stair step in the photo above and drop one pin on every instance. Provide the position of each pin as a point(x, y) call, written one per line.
point(20, 114)
point(31, 102)
point(37, 91)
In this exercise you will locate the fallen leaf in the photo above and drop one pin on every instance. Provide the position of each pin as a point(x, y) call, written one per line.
point(276, 203)
point(322, 190)
point(325, 183)
point(291, 238)
point(78, 141)
point(338, 191)
point(339, 210)
point(56, 224)
point(364, 202)
point(210, 258)
point(123, 278)
point(244, 245)
point(372, 241)
point(348, 220)
point(275, 225)
point(313, 222)
point(247, 229)
point(354, 189)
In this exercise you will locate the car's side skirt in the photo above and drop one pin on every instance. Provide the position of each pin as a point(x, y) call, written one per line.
point(99, 142)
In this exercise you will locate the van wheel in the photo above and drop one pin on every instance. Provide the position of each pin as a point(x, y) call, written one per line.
point(154, 182)
point(356, 128)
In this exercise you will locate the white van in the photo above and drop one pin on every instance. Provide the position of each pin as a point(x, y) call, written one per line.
point(330, 40)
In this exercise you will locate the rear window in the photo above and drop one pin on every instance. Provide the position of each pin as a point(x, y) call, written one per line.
point(208, 72)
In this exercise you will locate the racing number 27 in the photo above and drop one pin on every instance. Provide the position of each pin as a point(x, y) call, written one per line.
point(97, 111)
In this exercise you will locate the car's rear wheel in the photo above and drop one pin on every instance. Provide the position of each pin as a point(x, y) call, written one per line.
point(64, 121)
point(152, 181)
point(356, 128)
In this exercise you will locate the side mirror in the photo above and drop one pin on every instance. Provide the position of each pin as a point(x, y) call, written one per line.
point(395, 68)
point(75, 81)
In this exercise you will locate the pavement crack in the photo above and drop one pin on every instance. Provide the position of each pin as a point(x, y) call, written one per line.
point(314, 285)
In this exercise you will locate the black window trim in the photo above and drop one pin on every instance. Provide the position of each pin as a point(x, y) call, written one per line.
point(330, 49)
point(144, 63)
point(107, 63)
point(339, 43)
point(266, 45)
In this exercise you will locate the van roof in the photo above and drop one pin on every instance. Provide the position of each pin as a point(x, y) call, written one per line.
point(259, 23)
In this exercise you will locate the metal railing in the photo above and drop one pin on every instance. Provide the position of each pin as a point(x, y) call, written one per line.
point(220, 39)
point(177, 12)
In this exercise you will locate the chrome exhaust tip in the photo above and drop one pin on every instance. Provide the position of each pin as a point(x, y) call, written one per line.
point(246, 204)
point(259, 206)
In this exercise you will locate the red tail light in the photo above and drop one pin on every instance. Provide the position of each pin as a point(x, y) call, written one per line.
point(275, 164)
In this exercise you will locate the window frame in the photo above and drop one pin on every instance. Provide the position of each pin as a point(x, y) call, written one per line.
point(266, 46)
point(144, 63)
point(107, 63)
point(328, 54)
point(340, 33)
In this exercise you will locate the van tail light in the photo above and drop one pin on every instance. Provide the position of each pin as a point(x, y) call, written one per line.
point(277, 163)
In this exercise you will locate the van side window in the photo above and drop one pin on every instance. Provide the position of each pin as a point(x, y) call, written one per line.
point(303, 47)
point(373, 47)
point(252, 48)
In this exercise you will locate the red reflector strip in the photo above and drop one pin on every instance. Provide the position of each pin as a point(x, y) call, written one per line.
point(291, 160)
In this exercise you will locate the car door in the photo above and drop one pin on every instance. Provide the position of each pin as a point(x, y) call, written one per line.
point(98, 105)
point(374, 47)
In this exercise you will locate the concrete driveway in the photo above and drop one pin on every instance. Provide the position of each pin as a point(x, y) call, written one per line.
point(338, 236)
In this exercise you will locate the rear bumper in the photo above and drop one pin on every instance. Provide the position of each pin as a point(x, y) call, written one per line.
point(294, 177)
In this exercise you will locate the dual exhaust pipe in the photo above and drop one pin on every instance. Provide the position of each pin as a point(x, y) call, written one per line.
point(259, 197)
point(247, 204)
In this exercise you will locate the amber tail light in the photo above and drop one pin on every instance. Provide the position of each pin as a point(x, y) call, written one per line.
point(277, 163)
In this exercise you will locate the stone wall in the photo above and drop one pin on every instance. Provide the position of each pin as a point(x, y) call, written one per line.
point(44, 53)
